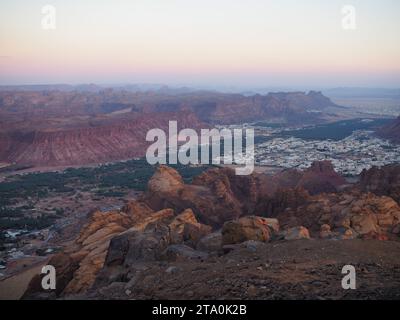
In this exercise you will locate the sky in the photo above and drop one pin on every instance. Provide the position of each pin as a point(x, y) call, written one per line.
point(245, 43)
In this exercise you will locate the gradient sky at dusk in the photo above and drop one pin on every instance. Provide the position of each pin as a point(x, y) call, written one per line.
point(203, 42)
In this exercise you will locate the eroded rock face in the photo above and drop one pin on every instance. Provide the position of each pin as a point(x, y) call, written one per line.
point(213, 202)
point(246, 228)
point(347, 215)
point(175, 221)
point(318, 178)
point(166, 238)
point(219, 195)
point(92, 245)
point(85, 258)
point(186, 228)
point(136, 210)
point(296, 233)
point(321, 177)
point(135, 246)
point(154, 217)
point(383, 181)
point(77, 142)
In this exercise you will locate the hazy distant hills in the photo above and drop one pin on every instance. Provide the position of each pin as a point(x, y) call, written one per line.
point(362, 93)
point(391, 131)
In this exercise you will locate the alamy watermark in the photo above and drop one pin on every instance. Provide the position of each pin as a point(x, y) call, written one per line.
point(49, 17)
point(49, 278)
point(349, 21)
point(349, 280)
point(184, 147)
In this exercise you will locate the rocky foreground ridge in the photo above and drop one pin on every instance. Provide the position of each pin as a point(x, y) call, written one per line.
point(235, 237)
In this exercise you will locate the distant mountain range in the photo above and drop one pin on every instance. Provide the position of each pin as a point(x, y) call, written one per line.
point(391, 131)
point(65, 125)
point(372, 93)
point(339, 92)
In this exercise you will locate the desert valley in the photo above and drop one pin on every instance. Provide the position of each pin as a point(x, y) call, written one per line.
point(76, 192)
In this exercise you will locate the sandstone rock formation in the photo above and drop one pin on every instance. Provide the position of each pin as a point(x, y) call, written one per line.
point(382, 181)
point(175, 222)
point(213, 196)
point(246, 228)
point(318, 178)
point(349, 215)
point(296, 233)
point(219, 195)
point(87, 144)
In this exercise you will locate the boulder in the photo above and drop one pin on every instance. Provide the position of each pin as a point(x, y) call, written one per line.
point(273, 224)
point(211, 242)
point(185, 227)
point(364, 223)
point(325, 232)
point(134, 246)
point(296, 233)
point(246, 228)
point(165, 180)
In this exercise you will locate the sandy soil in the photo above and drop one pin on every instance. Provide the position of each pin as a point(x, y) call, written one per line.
point(13, 287)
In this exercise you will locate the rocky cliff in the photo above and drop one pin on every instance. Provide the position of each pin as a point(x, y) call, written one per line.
point(382, 181)
point(58, 128)
point(112, 141)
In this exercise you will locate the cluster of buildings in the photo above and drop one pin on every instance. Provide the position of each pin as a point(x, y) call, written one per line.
point(361, 150)
point(350, 156)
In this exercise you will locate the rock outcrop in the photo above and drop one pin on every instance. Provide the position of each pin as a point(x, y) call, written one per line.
point(219, 195)
point(382, 181)
point(87, 143)
point(174, 222)
point(215, 196)
point(248, 228)
point(350, 215)
point(320, 177)
point(296, 233)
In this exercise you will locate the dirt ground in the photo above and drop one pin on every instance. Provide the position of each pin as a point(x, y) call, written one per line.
point(13, 287)
point(305, 269)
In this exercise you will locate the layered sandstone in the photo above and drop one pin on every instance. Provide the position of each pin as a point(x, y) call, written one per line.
point(174, 221)
point(60, 128)
point(116, 140)
point(351, 214)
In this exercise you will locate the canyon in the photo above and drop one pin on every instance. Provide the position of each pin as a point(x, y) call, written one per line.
point(186, 232)
point(53, 127)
